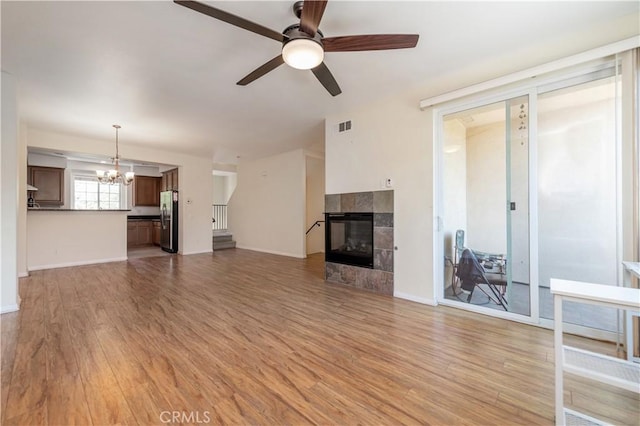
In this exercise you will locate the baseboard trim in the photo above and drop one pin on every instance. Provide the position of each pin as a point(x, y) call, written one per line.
point(416, 299)
point(196, 252)
point(23, 274)
point(80, 263)
point(9, 308)
point(279, 253)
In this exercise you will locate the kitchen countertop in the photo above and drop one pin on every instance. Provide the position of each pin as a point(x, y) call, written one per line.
point(144, 217)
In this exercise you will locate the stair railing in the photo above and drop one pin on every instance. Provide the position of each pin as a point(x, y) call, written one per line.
point(316, 223)
point(219, 217)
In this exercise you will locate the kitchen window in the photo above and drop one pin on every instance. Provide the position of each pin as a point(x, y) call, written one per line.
point(89, 194)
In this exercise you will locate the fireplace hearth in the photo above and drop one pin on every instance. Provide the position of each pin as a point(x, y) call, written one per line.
point(349, 238)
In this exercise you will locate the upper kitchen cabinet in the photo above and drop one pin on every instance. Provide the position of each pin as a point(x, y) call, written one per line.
point(50, 184)
point(146, 191)
point(170, 180)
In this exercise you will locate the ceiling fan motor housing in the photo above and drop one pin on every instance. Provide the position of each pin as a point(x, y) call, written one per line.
point(293, 32)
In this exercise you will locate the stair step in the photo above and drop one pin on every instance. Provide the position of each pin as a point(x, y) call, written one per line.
point(222, 238)
point(217, 245)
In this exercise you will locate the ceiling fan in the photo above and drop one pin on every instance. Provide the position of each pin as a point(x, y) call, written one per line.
point(303, 44)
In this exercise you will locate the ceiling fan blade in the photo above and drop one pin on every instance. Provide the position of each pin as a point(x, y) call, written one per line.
point(262, 70)
point(312, 12)
point(369, 42)
point(325, 77)
point(231, 19)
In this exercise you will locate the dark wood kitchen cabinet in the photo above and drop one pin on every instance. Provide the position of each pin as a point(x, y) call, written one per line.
point(146, 191)
point(132, 234)
point(139, 233)
point(144, 233)
point(50, 184)
point(170, 180)
point(156, 232)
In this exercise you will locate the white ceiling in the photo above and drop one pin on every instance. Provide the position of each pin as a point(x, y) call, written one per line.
point(167, 74)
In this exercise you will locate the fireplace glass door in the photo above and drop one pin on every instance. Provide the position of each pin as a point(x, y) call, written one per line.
point(349, 238)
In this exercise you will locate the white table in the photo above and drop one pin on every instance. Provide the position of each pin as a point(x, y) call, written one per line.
point(616, 372)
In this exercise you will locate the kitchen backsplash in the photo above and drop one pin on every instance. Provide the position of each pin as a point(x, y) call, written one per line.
point(144, 211)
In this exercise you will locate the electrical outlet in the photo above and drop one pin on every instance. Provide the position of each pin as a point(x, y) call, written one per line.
point(388, 183)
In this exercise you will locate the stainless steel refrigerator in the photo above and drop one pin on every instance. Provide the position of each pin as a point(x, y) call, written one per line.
point(169, 221)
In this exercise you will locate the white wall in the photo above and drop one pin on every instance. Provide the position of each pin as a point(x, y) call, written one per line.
point(224, 183)
point(194, 176)
point(9, 197)
point(315, 203)
point(219, 189)
point(62, 238)
point(231, 182)
point(267, 210)
point(43, 160)
point(22, 201)
point(486, 189)
point(391, 139)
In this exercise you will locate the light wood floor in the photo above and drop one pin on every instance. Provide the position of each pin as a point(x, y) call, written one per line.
point(146, 251)
point(240, 337)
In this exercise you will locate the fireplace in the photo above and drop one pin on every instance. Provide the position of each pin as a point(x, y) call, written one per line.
point(349, 238)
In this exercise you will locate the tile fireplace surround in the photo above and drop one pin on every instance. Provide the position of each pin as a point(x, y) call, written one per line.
point(380, 278)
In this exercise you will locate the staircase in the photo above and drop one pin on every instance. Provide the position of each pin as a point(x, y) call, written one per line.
point(223, 239)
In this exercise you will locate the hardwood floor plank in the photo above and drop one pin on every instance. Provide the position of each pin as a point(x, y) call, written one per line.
point(35, 416)
point(107, 404)
point(27, 393)
point(143, 397)
point(436, 413)
point(8, 344)
point(252, 338)
point(66, 402)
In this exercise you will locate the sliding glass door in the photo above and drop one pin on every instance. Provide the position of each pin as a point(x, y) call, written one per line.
point(529, 188)
point(485, 201)
point(577, 192)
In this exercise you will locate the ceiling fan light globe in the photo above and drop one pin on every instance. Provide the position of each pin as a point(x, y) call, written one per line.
point(303, 54)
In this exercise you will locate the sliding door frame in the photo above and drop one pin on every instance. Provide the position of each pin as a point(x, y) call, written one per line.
point(532, 88)
point(438, 178)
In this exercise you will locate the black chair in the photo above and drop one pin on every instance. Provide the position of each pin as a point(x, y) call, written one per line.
point(472, 274)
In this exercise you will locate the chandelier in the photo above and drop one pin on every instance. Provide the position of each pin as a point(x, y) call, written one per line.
point(114, 176)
